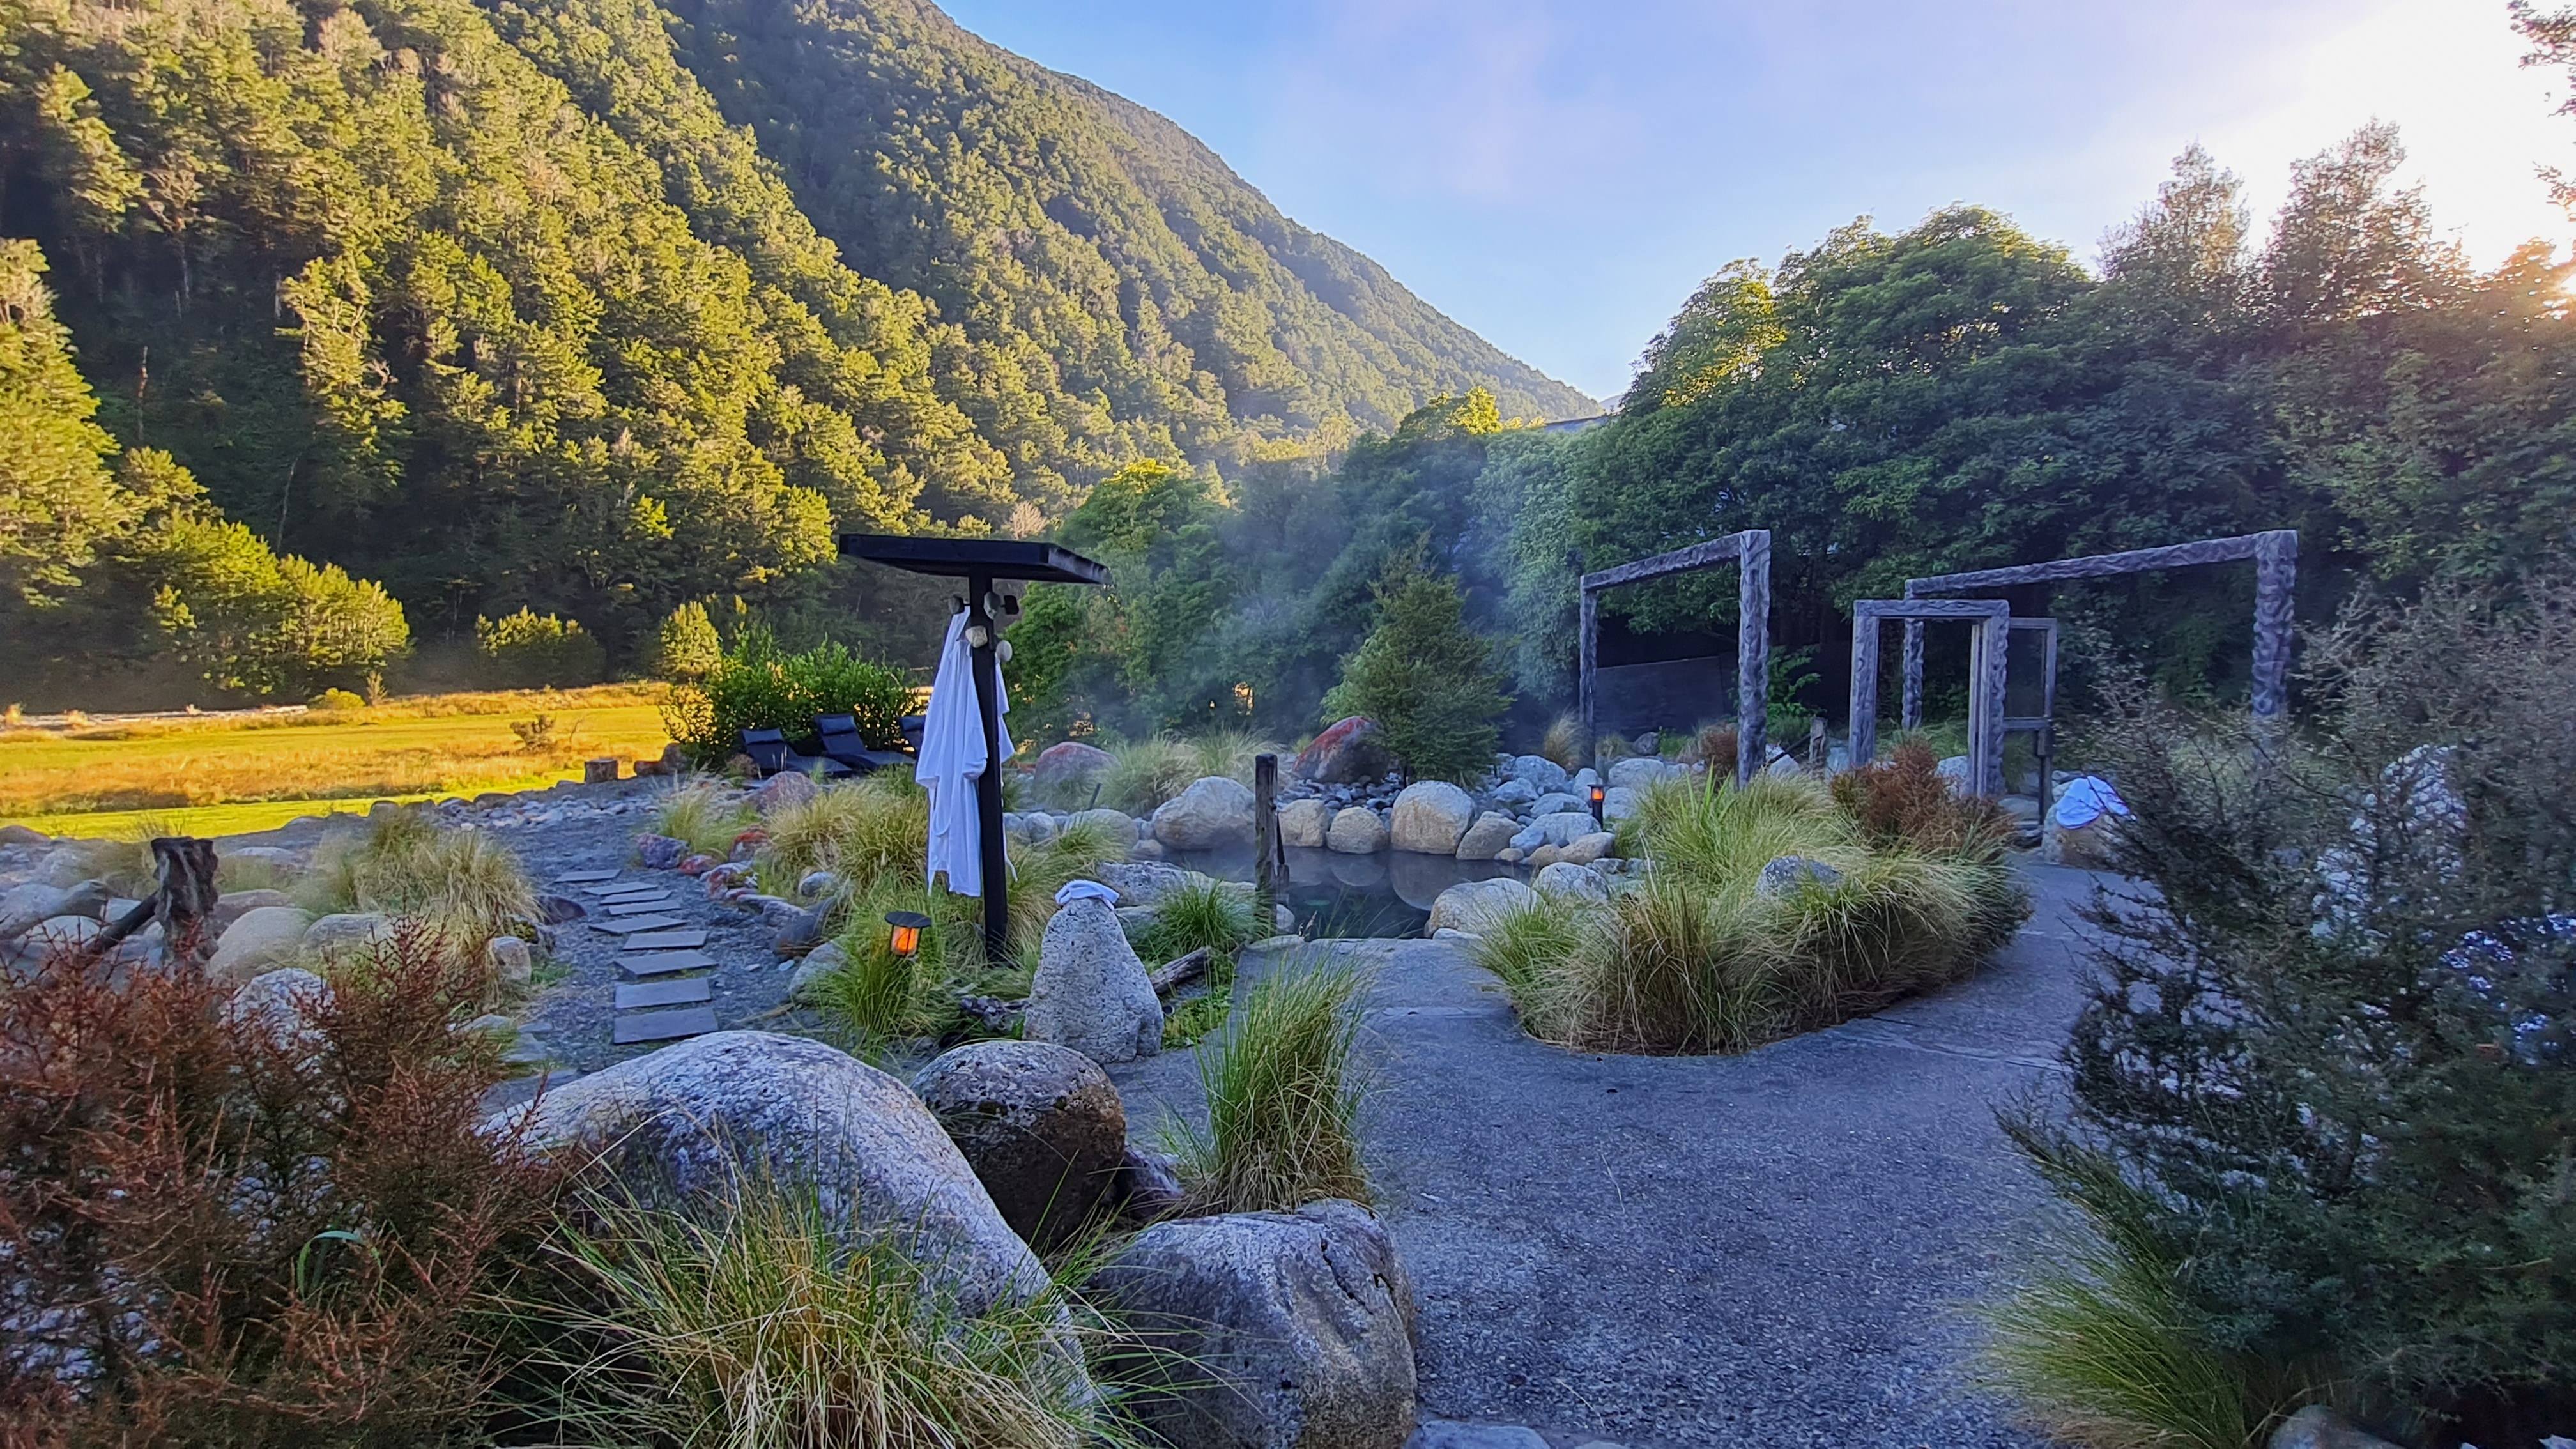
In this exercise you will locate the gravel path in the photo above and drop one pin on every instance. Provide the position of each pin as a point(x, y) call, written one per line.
point(1763, 1249)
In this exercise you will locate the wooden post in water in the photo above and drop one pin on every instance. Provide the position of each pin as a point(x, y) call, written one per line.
point(1267, 864)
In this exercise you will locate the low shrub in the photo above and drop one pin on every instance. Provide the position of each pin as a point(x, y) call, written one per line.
point(528, 650)
point(756, 1321)
point(1282, 1101)
point(1902, 800)
point(462, 887)
point(1695, 958)
point(226, 1229)
point(2327, 1040)
point(686, 648)
point(339, 699)
point(757, 685)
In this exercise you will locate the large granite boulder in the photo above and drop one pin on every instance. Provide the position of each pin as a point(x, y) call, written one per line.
point(1286, 1330)
point(1581, 850)
point(1350, 751)
point(351, 933)
point(1041, 1125)
point(231, 906)
point(284, 1006)
point(1786, 875)
point(1430, 817)
point(509, 961)
point(1473, 906)
point(1639, 773)
point(1090, 992)
point(1356, 831)
point(689, 1120)
point(287, 864)
point(1486, 838)
point(783, 791)
point(1118, 825)
point(2318, 1427)
point(1303, 823)
point(1543, 775)
point(1556, 828)
point(1565, 880)
point(1214, 812)
point(1141, 882)
point(262, 940)
point(1065, 766)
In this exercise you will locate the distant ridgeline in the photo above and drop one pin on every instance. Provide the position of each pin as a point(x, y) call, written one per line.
point(598, 306)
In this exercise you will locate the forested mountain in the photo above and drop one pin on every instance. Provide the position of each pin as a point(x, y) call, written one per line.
point(524, 304)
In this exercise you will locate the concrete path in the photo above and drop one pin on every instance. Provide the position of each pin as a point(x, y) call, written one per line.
point(1769, 1249)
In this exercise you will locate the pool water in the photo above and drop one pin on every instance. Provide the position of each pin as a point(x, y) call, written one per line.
point(1343, 896)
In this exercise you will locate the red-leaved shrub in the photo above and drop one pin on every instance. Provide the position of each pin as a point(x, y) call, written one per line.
point(224, 1227)
point(1902, 800)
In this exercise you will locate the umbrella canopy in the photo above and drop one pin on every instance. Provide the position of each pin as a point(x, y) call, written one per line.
point(953, 759)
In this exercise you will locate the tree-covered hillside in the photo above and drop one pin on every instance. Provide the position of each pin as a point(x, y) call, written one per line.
point(498, 304)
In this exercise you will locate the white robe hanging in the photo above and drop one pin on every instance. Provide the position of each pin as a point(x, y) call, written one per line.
point(953, 759)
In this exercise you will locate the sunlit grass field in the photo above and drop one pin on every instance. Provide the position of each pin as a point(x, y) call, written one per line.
point(224, 775)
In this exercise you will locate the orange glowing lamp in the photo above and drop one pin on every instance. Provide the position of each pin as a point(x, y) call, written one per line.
point(1598, 795)
point(905, 929)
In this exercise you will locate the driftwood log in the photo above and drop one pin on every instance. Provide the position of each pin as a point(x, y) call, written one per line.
point(1180, 972)
point(185, 898)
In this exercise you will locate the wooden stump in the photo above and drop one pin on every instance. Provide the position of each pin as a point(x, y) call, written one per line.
point(599, 772)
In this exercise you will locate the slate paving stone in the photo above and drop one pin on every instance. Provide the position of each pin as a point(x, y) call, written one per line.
point(665, 1025)
point(663, 963)
point(640, 923)
point(616, 888)
point(639, 908)
point(577, 877)
point(683, 992)
point(661, 940)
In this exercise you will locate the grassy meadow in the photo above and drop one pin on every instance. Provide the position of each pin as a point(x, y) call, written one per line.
point(225, 774)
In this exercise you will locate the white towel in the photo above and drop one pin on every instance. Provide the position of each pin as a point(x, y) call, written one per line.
point(1085, 890)
point(952, 760)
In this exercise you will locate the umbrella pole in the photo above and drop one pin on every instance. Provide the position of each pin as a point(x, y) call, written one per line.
point(988, 786)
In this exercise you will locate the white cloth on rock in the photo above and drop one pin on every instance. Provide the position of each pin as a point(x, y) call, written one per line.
point(1085, 890)
point(2086, 800)
point(953, 759)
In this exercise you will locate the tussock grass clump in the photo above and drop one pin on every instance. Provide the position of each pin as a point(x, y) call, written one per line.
point(1565, 743)
point(1282, 1103)
point(871, 829)
point(1150, 771)
point(125, 862)
point(1697, 959)
point(463, 886)
point(755, 1322)
point(878, 997)
point(705, 815)
point(1199, 912)
point(1039, 871)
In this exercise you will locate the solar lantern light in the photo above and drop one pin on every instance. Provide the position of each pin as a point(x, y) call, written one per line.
point(904, 932)
point(1598, 795)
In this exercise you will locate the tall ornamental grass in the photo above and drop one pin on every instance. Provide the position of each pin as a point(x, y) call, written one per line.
point(757, 1323)
point(706, 816)
point(1695, 958)
point(462, 886)
point(1282, 1100)
point(1147, 772)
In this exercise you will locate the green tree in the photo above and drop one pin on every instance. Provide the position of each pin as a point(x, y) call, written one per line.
point(58, 502)
point(528, 650)
point(254, 622)
point(1424, 676)
point(689, 648)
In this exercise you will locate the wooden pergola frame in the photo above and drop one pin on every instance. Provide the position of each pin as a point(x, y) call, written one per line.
point(2275, 555)
point(1750, 551)
point(1986, 658)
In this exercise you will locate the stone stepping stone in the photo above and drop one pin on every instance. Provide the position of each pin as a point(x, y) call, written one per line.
point(618, 888)
point(661, 940)
point(640, 923)
point(663, 963)
point(664, 1025)
point(624, 894)
point(682, 992)
point(576, 877)
point(640, 908)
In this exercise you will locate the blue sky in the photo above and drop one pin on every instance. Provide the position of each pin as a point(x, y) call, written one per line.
point(1559, 175)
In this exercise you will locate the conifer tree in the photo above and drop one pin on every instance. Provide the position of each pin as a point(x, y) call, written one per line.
point(1424, 676)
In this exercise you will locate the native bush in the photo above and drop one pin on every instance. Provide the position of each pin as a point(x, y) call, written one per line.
point(686, 648)
point(757, 685)
point(528, 650)
point(2329, 1061)
point(234, 1227)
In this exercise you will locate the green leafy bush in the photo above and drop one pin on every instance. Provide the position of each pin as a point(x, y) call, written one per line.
point(2328, 1075)
point(251, 620)
point(528, 650)
point(757, 685)
point(1424, 676)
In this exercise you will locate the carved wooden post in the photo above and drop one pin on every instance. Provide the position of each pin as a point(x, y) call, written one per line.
point(2276, 581)
point(1910, 708)
point(1752, 653)
point(1992, 652)
point(1266, 862)
point(1864, 688)
point(186, 897)
point(1588, 654)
